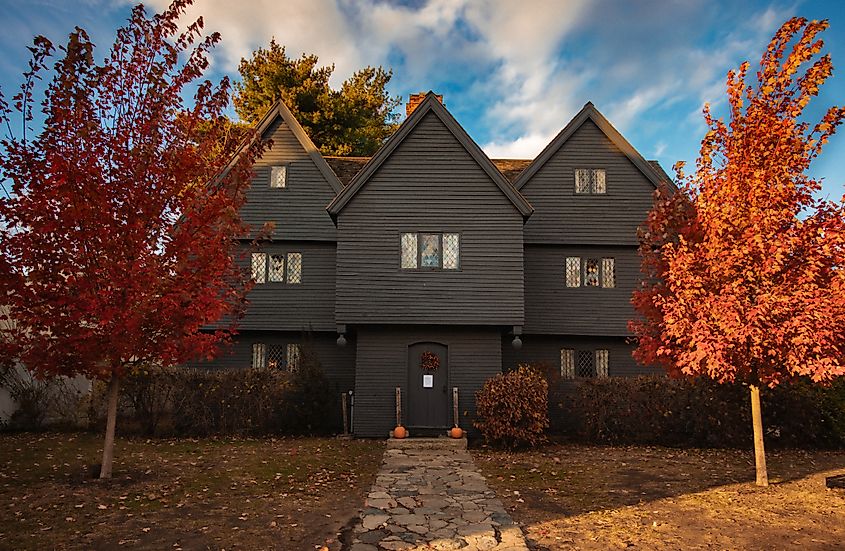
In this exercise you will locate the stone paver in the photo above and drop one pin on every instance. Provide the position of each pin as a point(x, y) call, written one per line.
point(429, 495)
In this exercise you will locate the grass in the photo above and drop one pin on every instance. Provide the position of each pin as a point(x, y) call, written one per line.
point(288, 493)
point(589, 497)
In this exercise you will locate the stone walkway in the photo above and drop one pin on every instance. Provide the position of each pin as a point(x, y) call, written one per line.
point(429, 495)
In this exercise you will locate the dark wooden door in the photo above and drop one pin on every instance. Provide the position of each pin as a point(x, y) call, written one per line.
point(428, 396)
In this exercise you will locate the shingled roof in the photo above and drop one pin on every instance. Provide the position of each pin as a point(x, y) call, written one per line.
point(347, 167)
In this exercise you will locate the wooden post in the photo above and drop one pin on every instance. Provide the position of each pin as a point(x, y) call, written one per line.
point(398, 406)
point(343, 405)
point(111, 420)
point(759, 450)
point(455, 405)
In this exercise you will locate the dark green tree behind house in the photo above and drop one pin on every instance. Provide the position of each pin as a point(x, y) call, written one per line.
point(353, 121)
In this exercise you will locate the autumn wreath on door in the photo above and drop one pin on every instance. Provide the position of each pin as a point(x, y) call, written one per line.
point(429, 361)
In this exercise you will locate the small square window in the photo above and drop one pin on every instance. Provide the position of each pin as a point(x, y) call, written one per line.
point(573, 271)
point(259, 355)
point(409, 251)
point(567, 363)
point(294, 268)
point(451, 251)
point(277, 267)
point(590, 181)
point(278, 176)
point(608, 272)
point(259, 267)
point(591, 272)
point(602, 362)
point(430, 250)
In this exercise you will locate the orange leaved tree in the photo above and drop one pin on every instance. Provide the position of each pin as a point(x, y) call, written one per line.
point(745, 266)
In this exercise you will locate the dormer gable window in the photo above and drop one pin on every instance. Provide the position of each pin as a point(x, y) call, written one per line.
point(430, 251)
point(590, 181)
point(278, 176)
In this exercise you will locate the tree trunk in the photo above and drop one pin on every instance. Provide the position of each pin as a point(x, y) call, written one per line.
point(759, 450)
point(111, 420)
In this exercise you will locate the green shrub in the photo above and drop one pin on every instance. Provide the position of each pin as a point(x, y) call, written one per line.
point(512, 408)
point(698, 412)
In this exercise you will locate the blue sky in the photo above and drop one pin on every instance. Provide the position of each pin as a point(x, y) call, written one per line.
point(512, 72)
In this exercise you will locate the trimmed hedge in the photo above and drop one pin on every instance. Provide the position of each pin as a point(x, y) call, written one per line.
point(512, 408)
point(654, 410)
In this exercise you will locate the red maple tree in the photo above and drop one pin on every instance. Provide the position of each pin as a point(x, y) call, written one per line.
point(745, 276)
point(118, 240)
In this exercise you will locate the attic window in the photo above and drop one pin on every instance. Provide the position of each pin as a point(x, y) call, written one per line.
point(278, 176)
point(590, 181)
point(430, 251)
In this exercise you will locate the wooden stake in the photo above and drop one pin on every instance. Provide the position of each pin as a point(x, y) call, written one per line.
point(343, 405)
point(398, 406)
point(759, 450)
point(455, 405)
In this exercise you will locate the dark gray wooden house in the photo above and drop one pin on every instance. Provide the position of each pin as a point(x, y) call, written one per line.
point(431, 267)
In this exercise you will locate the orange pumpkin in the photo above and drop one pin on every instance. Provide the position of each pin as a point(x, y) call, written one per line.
point(456, 432)
point(399, 432)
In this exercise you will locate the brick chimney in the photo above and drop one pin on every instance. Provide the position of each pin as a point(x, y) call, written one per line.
point(414, 100)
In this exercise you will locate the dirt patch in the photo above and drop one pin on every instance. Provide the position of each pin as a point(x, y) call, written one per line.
point(294, 493)
point(582, 497)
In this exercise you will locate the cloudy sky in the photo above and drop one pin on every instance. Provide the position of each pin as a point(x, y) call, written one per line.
point(513, 72)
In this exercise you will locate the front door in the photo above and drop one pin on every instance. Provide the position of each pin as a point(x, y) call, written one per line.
point(428, 378)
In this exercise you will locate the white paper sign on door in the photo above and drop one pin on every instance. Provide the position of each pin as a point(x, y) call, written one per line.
point(428, 381)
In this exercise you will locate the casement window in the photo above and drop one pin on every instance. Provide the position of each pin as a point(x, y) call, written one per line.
point(590, 272)
point(286, 357)
point(279, 176)
point(277, 268)
point(590, 181)
point(430, 251)
point(581, 364)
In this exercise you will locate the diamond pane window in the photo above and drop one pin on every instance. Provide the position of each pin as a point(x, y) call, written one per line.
point(590, 180)
point(451, 251)
point(567, 363)
point(294, 268)
point(278, 176)
point(409, 250)
point(275, 356)
point(591, 272)
point(608, 272)
point(259, 267)
point(582, 180)
point(294, 355)
point(602, 362)
point(430, 250)
point(598, 183)
point(573, 271)
point(585, 367)
point(277, 267)
point(259, 355)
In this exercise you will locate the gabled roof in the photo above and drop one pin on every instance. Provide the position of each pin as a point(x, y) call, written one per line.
point(589, 112)
point(279, 109)
point(429, 105)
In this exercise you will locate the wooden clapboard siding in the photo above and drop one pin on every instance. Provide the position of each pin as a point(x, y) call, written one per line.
point(562, 216)
point(430, 183)
point(382, 360)
point(299, 307)
point(553, 308)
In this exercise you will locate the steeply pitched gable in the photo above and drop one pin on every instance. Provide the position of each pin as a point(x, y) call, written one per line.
point(429, 105)
point(590, 113)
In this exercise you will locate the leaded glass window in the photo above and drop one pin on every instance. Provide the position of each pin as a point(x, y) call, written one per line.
point(275, 356)
point(259, 355)
point(567, 363)
point(602, 362)
point(585, 366)
point(294, 355)
point(590, 181)
point(277, 267)
point(608, 272)
point(294, 268)
point(430, 250)
point(259, 267)
point(409, 250)
point(278, 176)
point(451, 251)
point(573, 271)
point(591, 272)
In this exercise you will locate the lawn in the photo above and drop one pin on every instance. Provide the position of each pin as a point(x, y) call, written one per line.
point(291, 493)
point(582, 497)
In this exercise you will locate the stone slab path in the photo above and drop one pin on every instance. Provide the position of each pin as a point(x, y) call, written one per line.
point(429, 495)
